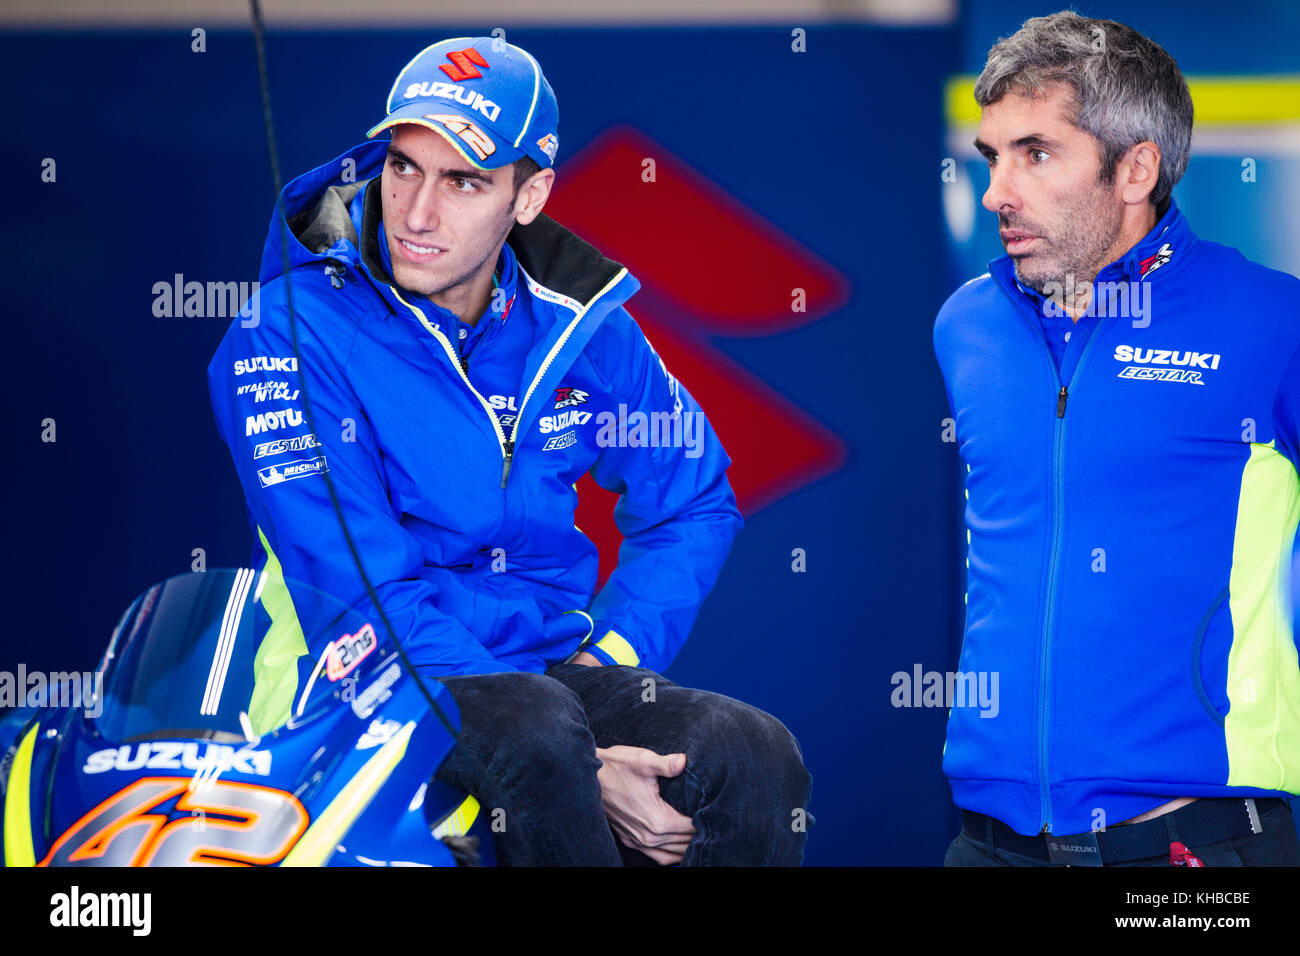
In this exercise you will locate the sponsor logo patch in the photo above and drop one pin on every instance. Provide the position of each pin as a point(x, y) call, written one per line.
point(272, 421)
point(266, 363)
point(348, 651)
point(379, 732)
point(277, 474)
point(269, 391)
point(377, 692)
point(561, 441)
point(1161, 374)
point(450, 91)
point(463, 63)
point(554, 423)
point(282, 445)
point(565, 397)
point(175, 755)
point(1165, 365)
point(1153, 262)
point(549, 145)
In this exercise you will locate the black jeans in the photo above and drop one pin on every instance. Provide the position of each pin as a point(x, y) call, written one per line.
point(528, 748)
point(1277, 845)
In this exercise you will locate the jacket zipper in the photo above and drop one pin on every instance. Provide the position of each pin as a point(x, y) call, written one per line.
point(1049, 621)
point(550, 357)
point(541, 373)
point(507, 444)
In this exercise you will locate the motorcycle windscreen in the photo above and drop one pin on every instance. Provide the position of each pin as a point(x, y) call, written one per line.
point(220, 655)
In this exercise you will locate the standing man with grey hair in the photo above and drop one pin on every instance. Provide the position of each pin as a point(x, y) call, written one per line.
point(1126, 399)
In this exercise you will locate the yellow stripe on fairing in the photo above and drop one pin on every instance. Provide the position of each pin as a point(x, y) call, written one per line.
point(459, 821)
point(323, 836)
point(19, 850)
point(1217, 100)
point(275, 667)
point(1262, 728)
point(617, 647)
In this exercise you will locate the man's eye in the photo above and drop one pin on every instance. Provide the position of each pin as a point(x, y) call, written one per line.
point(399, 166)
point(463, 185)
point(1038, 152)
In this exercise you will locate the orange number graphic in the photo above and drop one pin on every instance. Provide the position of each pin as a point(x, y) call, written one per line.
point(122, 832)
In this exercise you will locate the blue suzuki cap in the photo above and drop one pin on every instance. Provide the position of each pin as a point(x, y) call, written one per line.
point(486, 97)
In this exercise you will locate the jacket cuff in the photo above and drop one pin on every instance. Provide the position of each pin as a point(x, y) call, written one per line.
point(613, 649)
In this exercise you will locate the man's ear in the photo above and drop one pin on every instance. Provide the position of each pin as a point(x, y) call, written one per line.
point(533, 195)
point(1138, 171)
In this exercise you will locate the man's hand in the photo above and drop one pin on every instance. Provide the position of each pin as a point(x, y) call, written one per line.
point(630, 790)
point(589, 660)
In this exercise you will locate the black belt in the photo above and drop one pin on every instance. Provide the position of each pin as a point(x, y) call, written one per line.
point(1207, 820)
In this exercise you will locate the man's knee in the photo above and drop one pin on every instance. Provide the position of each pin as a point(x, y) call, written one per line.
point(783, 763)
point(521, 716)
point(750, 745)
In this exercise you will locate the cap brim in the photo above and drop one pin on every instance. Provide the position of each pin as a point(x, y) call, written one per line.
point(503, 153)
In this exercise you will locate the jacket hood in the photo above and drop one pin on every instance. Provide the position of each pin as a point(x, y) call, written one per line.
point(321, 225)
point(315, 205)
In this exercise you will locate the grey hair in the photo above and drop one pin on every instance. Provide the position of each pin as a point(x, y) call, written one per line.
point(1127, 89)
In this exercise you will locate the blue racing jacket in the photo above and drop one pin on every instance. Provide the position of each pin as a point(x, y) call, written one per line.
point(1130, 519)
point(460, 503)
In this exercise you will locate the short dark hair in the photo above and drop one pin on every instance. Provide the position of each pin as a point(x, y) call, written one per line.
point(524, 168)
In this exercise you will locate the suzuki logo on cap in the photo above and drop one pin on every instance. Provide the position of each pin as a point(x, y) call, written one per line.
point(463, 63)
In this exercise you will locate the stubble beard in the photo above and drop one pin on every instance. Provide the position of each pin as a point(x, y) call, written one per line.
point(1088, 229)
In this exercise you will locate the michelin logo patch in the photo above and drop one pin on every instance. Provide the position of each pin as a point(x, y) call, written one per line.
point(276, 474)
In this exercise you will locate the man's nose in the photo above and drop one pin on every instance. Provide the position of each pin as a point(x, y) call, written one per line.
point(1001, 193)
point(423, 215)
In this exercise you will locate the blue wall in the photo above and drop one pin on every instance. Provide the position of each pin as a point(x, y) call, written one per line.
point(162, 169)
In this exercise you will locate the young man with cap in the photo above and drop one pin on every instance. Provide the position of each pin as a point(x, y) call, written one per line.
point(458, 353)
point(1126, 399)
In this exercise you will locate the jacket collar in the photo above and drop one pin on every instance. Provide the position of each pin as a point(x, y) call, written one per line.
point(323, 221)
point(575, 286)
point(1158, 254)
